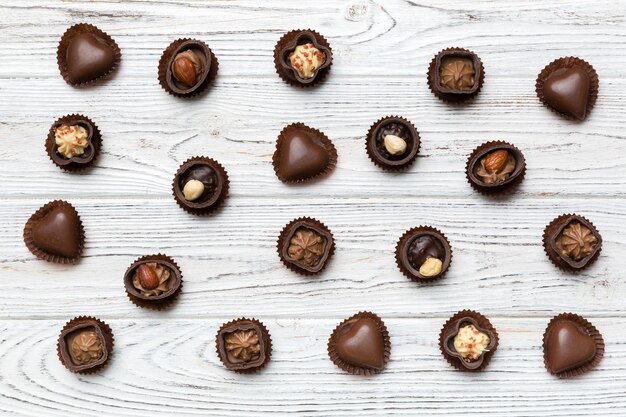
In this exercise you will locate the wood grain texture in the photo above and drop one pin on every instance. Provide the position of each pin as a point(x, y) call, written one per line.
point(165, 362)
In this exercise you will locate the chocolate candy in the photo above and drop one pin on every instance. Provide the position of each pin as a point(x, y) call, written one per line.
point(303, 153)
point(85, 345)
point(302, 57)
point(244, 345)
point(200, 185)
point(423, 254)
point(55, 233)
point(73, 142)
point(153, 282)
point(572, 242)
point(86, 54)
point(495, 167)
point(305, 245)
point(392, 143)
point(187, 67)
point(568, 86)
point(455, 75)
point(571, 346)
point(468, 341)
point(360, 345)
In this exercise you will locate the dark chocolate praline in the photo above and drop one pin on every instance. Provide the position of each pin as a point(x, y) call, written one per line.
point(288, 44)
point(305, 246)
point(206, 73)
point(419, 245)
point(153, 281)
point(85, 345)
point(476, 355)
point(387, 155)
point(91, 149)
point(210, 185)
point(453, 89)
point(572, 242)
point(244, 345)
point(504, 176)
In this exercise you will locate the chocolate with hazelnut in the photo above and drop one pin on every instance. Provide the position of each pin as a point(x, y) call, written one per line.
point(187, 67)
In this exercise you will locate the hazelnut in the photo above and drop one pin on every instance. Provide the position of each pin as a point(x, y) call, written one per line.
point(186, 68)
point(147, 277)
point(395, 145)
point(193, 189)
point(431, 267)
point(496, 160)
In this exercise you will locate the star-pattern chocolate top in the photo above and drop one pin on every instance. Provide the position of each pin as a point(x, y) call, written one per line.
point(576, 241)
point(457, 73)
point(85, 347)
point(572, 242)
point(305, 245)
point(243, 346)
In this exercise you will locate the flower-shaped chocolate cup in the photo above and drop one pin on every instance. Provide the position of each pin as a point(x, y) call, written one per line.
point(77, 162)
point(288, 43)
point(552, 233)
point(453, 330)
point(514, 178)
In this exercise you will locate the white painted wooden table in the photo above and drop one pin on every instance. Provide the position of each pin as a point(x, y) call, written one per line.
point(165, 363)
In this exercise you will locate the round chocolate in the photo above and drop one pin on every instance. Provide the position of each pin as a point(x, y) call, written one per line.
point(492, 172)
point(244, 345)
point(572, 242)
point(416, 246)
point(568, 86)
point(451, 329)
point(91, 151)
point(571, 346)
point(214, 181)
point(86, 54)
point(396, 127)
point(160, 294)
point(360, 345)
point(288, 44)
point(447, 71)
point(204, 57)
point(305, 245)
point(85, 345)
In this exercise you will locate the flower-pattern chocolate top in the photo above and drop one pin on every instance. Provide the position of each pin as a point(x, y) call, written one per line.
point(576, 241)
point(306, 246)
point(71, 140)
point(305, 59)
point(470, 343)
point(457, 73)
point(152, 279)
point(243, 346)
point(86, 347)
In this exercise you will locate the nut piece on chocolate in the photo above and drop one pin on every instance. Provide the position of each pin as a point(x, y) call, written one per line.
point(306, 59)
point(496, 167)
point(457, 73)
point(244, 345)
point(576, 241)
point(71, 140)
point(187, 67)
point(392, 143)
point(426, 254)
point(152, 279)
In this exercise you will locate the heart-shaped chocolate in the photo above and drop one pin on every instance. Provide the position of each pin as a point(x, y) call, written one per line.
point(302, 153)
point(360, 342)
point(568, 346)
point(56, 229)
point(88, 57)
point(567, 91)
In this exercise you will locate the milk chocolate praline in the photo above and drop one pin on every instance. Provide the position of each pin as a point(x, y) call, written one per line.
point(86, 54)
point(208, 182)
point(481, 326)
point(153, 282)
point(55, 233)
point(572, 242)
point(495, 167)
point(81, 156)
point(288, 45)
point(399, 152)
point(455, 75)
point(569, 87)
point(360, 345)
point(244, 345)
point(195, 76)
point(85, 345)
point(423, 254)
point(302, 154)
point(571, 346)
point(305, 245)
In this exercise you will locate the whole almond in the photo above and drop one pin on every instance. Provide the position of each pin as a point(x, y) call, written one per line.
point(147, 277)
point(185, 71)
point(496, 160)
